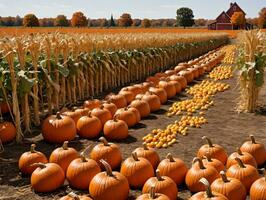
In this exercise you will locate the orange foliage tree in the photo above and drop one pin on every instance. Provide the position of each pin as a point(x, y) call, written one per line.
point(30, 20)
point(238, 19)
point(79, 20)
point(262, 18)
point(146, 23)
point(125, 20)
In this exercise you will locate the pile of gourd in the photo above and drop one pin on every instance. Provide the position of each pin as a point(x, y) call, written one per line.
point(221, 72)
point(158, 179)
point(118, 112)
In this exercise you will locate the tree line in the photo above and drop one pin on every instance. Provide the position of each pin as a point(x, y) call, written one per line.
point(184, 18)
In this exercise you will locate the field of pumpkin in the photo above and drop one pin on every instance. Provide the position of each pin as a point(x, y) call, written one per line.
point(101, 148)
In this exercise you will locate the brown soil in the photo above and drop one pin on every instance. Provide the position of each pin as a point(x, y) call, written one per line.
point(225, 127)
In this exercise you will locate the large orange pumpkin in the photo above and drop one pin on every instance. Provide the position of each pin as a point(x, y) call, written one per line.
point(110, 152)
point(152, 195)
point(136, 170)
point(89, 126)
point(73, 114)
point(214, 151)
point(161, 184)
point(91, 104)
point(30, 157)
point(110, 106)
point(179, 68)
point(217, 164)
point(129, 95)
point(198, 171)
point(153, 100)
point(149, 153)
point(109, 185)
point(127, 116)
point(180, 79)
point(119, 100)
point(256, 149)
point(177, 85)
point(153, 79)
point(207, 194)
point(258, 189)
point(7, 131)
point(115, 129)
point(174, 168)
point(81, 171)
point(47, 177)
point(136, 112)
point(169, 88)
point(160, 92)
point(187, 74)
point(142, 106)
point(73, 196)
point(63, 156)
point(246, 158)
point(230, 187)
point(58, 128)
point(247, 174)
point(102, 114)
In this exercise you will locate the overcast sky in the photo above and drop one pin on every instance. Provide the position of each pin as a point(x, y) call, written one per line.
point(209, 9)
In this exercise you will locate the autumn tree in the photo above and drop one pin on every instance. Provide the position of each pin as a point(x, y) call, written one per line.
point(30, 20)
point(136, 22)
point(238, 19)
point(125, 20)
point(79, 20)
point(61, 20)
point(146, 23)
point(201, 22)
point(184, 17)
point(262, 18)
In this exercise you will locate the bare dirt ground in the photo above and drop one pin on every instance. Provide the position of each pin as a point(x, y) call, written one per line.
point(226, 127)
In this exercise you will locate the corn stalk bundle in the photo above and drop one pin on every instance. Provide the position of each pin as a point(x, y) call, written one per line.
point(40, 73)
point(251, 65)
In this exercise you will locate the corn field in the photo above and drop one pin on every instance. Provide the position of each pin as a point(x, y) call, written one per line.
point(41, 73)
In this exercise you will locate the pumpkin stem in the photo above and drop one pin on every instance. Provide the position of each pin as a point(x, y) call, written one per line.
point(104, 141)
point(170, 157)
point(58, 116)
point(152, 192)
point(107, 167)
point(83, 157)
point(145, 146)
point(240, 163)
point(239, 151)
point(158, 175)
point(89, 113)
point(206, 183)
point(135, 156)
point(101, 107)
point(32, 148)
point(208, 140)
point(116, 117)
point(197, 159)
point(65, 145)
point(224, 177)
point(252, 139)
point(208, 157)
point(74, 196)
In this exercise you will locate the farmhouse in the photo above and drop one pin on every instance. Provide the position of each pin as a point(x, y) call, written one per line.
point(223, 21)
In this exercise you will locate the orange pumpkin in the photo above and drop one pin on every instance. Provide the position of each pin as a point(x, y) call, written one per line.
point(207, 194)
point(110, 106)
point(161, 184)
point(58, 128)
point(170, 88)
point(4, 108)
point(119, 100)
point(142, 106)
point(170, 72)
point(74, 115)
point(73, 196)
point(28, 158)
point(127, 116)
point(136, 170)
point(180, 79)
point(149, 153)
point(246, 158)
point(129, 95)
point(160, 75)
point(229, 187)
point(178, 86)
point(82, 111)
point(81, 171)
point(89, 126)
point(131, 88)
point(188, 75)
point(109, 185)
point(153, 79)
point(258, 189)
point(174, 168)
point(160, 92)
point(63, 156)
point(102, 114)
point(217, 164)
point(7, 131)
point(198, 171)
point(115, 129)
point(153, 100)
point(194, 71)
point(110, 152)
point(214, 151)
point(47, 177)
point(180, 68)
point(247, 174)
point(256, 149)
point(91, 104)
point(136, 112)
point(152, 195)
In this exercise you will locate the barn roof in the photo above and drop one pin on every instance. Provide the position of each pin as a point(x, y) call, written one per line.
point(235, 4)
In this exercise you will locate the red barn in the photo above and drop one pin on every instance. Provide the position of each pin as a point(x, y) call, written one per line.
point(223, 21)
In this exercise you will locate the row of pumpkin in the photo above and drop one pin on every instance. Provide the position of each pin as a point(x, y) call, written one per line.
point(120, 111)
point(137, 171)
